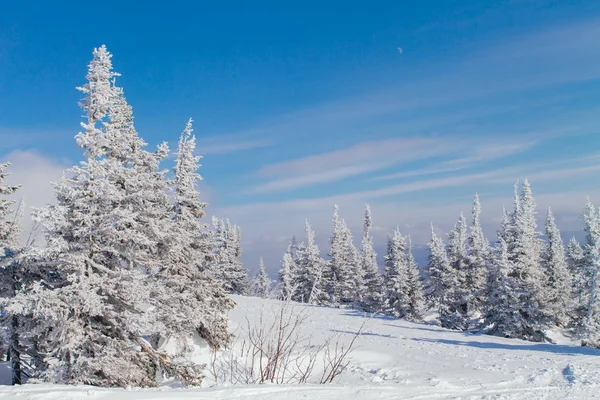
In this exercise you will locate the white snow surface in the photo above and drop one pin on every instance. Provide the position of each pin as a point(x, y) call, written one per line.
point(394, 359)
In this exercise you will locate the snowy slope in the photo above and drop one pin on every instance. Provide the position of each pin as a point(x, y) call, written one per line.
point(395, 360)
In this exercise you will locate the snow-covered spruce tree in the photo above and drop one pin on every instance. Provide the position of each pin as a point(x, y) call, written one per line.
point(262, 282)
point(338, 274)
point(11, 274)
point(106, 237)
point(288, 274)
point(437, 264)
point(501, 313)
point(193, 301)
point(559, 287)
point(591, 275)
point(356, 282)
point(477, 260)
point(416, 299)
point(443, 286)
point(532, 316)
point(505, 229)
point(310, 285)
point(575, 257)
point(227, 266)
point(461, 294)
point(397, 300)
point(372, 299)
point(352, 281)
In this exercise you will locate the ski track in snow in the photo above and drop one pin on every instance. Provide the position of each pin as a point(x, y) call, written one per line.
point(394, 359)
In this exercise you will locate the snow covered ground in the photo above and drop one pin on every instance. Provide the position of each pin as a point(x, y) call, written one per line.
point(394, 359)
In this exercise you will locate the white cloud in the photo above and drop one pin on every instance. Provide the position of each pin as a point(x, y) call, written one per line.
point(35, 172)
point(364, 152)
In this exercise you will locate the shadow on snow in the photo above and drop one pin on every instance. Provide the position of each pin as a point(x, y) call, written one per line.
point(364, 333)
point(543, 347)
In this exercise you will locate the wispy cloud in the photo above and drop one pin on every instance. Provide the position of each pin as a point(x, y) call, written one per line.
point(481, 153)
point(229, 144)
point(315, 178)
point(355, 160)
point(376, 155)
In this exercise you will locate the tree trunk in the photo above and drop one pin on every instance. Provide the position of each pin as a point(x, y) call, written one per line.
point(14, 353)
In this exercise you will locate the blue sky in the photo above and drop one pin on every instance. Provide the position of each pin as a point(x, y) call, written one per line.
point(300, 106)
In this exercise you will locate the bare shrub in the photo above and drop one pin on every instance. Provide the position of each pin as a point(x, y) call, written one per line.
point(277, 350)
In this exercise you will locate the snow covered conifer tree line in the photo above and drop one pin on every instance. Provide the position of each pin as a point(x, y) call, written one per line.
point(521, 287)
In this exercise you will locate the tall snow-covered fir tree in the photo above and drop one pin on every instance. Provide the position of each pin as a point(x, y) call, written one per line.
point(531, 314)
point(107, 238)
point(437, 266)
point(502, 301)
point(460, 294)
point(288, 274)
point(442, 284)
point(590, 275)
point(354, 278)
point(575, 257)
point(416, 298)
point(338, 282)
point(559, 287)
point(477, 260)
point(193, 300)
point(262, 282)
point(371, 298)
point(397, 294)
point(310, 283)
